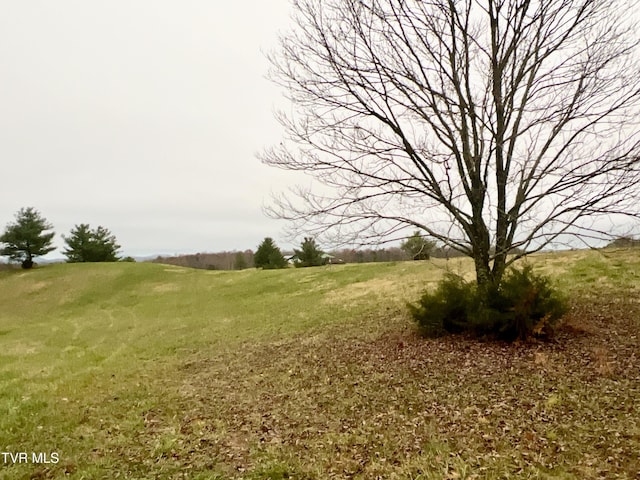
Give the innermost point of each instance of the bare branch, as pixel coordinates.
(488, 124)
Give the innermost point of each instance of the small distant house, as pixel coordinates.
(327, 259)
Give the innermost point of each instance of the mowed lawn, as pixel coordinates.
(149, 371)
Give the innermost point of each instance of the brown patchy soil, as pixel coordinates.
(340, 405)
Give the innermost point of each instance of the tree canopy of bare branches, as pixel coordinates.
(492, 125)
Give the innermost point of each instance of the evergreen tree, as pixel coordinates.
(417, 246)
(78, 243)
(309, 254)
(269, 256)
(26, 238)
(86, 245)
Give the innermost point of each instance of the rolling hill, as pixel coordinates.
(139, 370)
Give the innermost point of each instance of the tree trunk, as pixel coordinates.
(474, 122)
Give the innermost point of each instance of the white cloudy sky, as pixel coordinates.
(143, 116)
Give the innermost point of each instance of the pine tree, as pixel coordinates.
(86, 245)
(26, 238)
(269, 256)
(418, 247)
(309, 254)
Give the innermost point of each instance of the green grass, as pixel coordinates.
(150, 371)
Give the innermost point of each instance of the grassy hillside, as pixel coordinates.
(152, 371)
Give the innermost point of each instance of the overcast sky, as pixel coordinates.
(143, 116)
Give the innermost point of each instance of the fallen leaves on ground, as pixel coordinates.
(343, 405)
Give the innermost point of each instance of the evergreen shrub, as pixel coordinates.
(524, 304)
(445, 309)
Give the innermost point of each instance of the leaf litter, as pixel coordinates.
(342, 404)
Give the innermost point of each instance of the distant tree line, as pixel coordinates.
(624, 242)
(269, 256)
(228, 260)
(31, 235)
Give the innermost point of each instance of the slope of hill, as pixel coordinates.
(153, 371)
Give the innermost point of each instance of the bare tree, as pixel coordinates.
(493, 125)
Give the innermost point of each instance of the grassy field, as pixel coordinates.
(148, 371)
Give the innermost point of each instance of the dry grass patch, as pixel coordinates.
(166, 287)
(355, 291)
